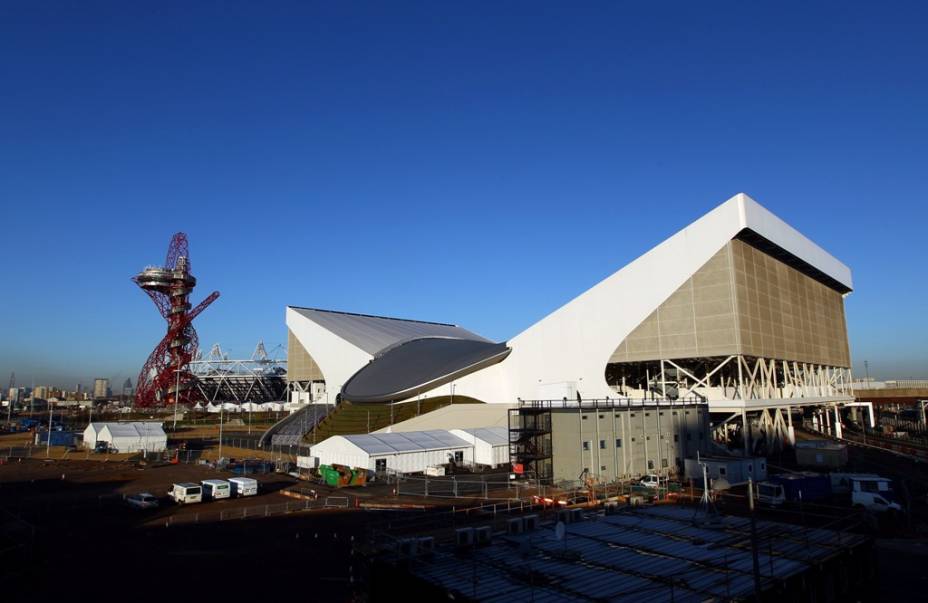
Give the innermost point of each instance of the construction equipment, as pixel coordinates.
(340, 476)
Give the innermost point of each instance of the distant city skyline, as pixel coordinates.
(476, 164)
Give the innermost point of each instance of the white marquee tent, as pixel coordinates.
(408, 452)
(490, 444)
(127, 437)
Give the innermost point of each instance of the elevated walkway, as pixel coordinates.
(291, 429)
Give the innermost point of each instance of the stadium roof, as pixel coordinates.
(420, 365)
(375, 334)
(410, 441)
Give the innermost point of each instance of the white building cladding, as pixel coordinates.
(409, 452)
(127, 437)
(490, 445)
(747, 344)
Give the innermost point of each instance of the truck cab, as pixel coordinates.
(770, 493)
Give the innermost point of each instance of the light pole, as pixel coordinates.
(48, 440)
(220, 431)
(176, 395)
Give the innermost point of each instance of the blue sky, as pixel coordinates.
(479, 163)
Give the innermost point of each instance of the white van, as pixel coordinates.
(244, 486)
(868, 491)
(186, 493)
(215, 489)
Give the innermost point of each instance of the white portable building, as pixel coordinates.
(490, 444)
(130, 436)
(409, 452)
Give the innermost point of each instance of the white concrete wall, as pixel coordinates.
(337, 358)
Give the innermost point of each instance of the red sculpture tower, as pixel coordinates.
(166, 375)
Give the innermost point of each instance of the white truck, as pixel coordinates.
(243, 486)
(186, 493)
(215, 489)
(866, 490)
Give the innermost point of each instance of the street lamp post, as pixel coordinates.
(48, 440)
(220, 431)
(176, 395)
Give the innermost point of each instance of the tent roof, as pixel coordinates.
(494, 436)
(410, 441)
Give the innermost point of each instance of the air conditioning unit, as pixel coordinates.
(426, 545)
(515, 526)
(483, 535)
(464, 537)
(576, 514)
(530, 522)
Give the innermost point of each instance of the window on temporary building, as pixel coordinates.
(380, 465)
(602, 416)
(618, 442)
(602, 444)
(585, 417)
(723, 471)
(586, 444)
(458, 456)
(602, 468)
(676, 437)
(664, 463)
(650, 464)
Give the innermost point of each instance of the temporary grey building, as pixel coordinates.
(490, 444)
(734, 470)
(409, 452)
(821, 453)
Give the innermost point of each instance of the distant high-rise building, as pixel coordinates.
(41, 392)
(101, 389)
(127, 387)
(14, 394)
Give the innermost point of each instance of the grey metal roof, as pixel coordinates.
(644, 554)
(410, 441)
(420, 365)
(494, 436)
(374, 334)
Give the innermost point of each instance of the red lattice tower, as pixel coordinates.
(166, 373)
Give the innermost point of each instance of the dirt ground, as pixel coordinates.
(83, 534)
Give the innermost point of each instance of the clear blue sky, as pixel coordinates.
(479, 163)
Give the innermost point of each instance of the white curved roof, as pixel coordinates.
(374, 334)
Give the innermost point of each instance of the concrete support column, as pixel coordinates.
(790, 432)
(827, 421)
(838, 432)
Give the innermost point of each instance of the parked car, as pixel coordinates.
(142, 500)
(650, 481)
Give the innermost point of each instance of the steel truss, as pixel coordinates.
(261, 378)
(760, 391)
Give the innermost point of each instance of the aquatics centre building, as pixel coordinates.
(738, 310)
